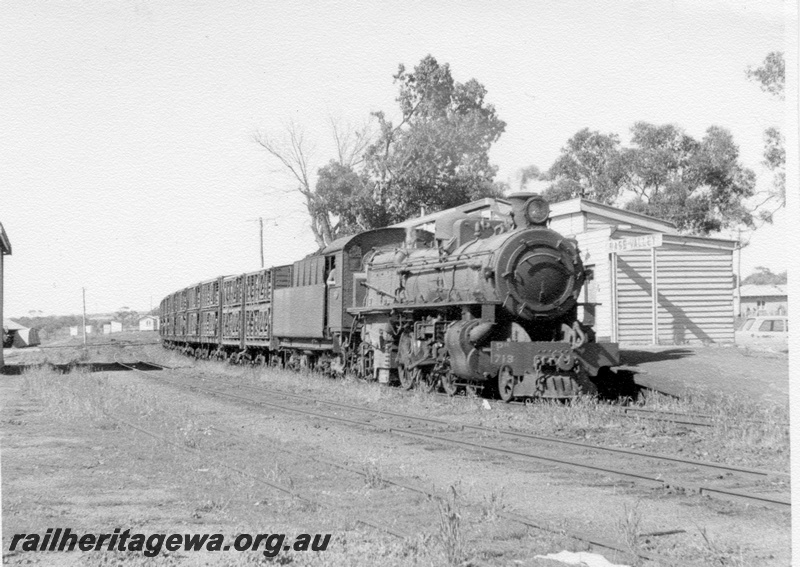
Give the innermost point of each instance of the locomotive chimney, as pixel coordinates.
(529, 209)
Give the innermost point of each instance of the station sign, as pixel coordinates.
(636, 243)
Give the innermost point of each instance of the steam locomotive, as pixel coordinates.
(487, 303)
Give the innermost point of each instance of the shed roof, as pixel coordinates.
(5, 244)
(753, 290)
(580, 205)
(12, 325)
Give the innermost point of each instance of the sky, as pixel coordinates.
(128, 164)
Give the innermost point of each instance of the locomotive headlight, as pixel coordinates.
(537, 210)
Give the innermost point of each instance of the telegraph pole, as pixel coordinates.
(84, 315)
(261, 235)
(260, 221)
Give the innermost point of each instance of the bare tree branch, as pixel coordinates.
(351, 141)
(295, 155)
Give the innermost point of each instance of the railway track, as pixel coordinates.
(677, 418)
(683, 418)
(649, 470)
(633, 412)
(649, 414)
(583, 536)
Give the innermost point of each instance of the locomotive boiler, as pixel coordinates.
(493, 303)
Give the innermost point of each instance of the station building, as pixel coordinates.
(649, 284)
(5, 250)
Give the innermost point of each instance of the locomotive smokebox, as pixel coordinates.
(539, 274)
(529, 210)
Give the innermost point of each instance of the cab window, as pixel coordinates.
(748, 324)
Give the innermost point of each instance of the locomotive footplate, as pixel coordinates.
(552, 369)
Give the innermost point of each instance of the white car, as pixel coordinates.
(764, 330)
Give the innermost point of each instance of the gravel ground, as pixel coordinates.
(66, 465)
(754, 374)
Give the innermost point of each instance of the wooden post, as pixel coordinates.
(654, 289)
(738, 275)
(84, 315)
(614, 300)
(261, 234)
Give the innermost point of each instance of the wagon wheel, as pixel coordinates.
(505, 384)
(407, 376)
(449, 384)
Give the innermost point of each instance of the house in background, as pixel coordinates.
(148, 323)
(762, 300)
(73, 331)
(112, 327)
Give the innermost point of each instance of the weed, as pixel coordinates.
(450, 535)
(373, 473)
(494, 505)
(280, 475)
(213, 506)
(720, 555)
(630, 528)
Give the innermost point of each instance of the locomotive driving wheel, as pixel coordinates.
(505, 384)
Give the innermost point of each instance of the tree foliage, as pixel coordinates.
(763, 276)
(435, 157)
(438, 155)
(771, 76)
(697, 184)
(590, 166)
(126, 316)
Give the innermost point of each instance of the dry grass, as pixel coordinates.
(741, 433)
(450, 533)
(629, 527)
(91, 398)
